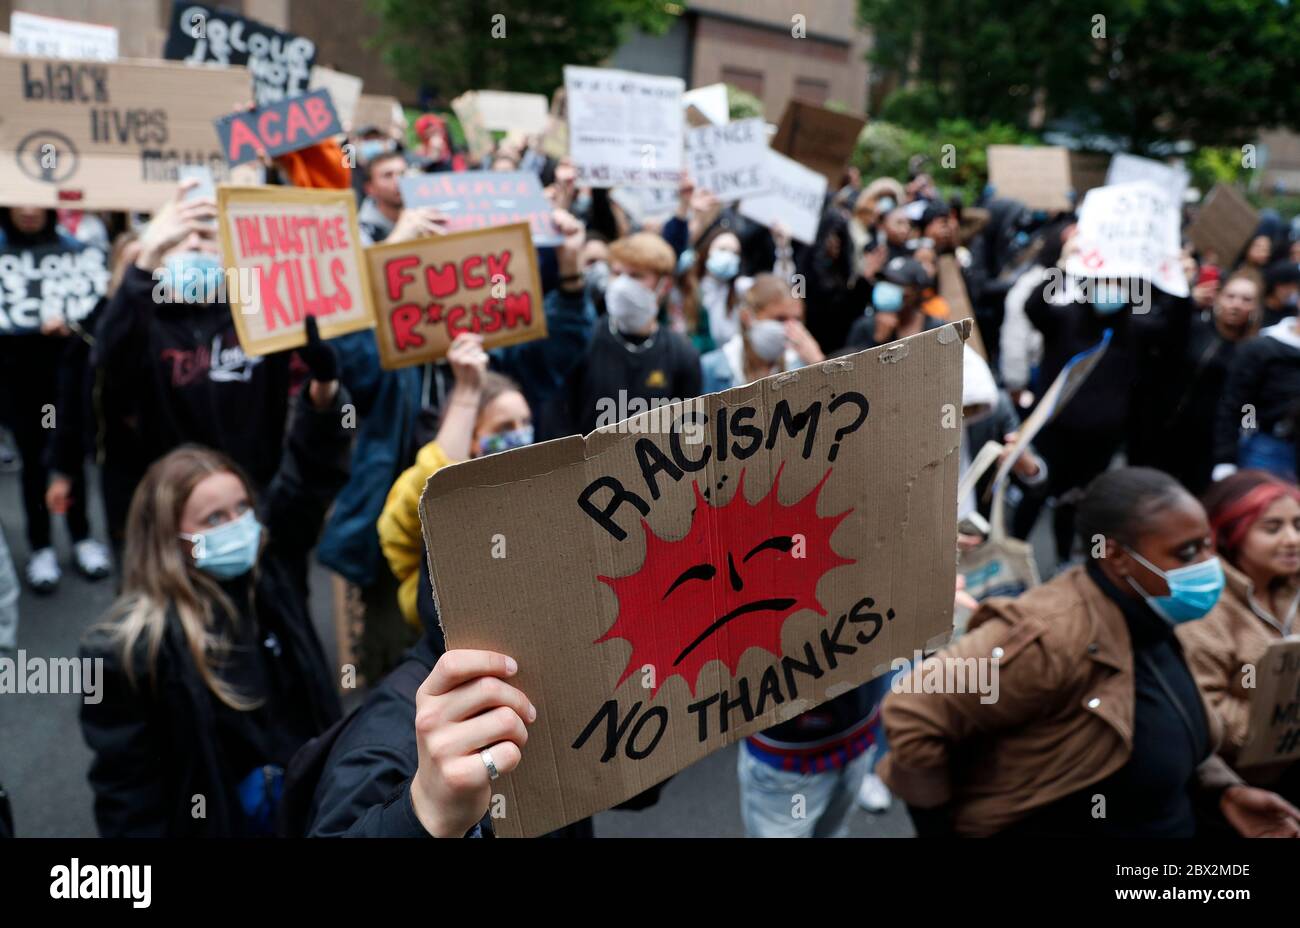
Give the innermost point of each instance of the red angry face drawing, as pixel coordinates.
(726, 587)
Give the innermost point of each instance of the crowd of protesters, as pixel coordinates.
(222, 474)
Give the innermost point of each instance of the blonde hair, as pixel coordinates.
(644, 251)
(158, 574)
(766, 290)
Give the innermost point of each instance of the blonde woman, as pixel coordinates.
(213, 675)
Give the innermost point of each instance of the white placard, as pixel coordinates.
(730, 161)
(711, 102)
(625, 129)
(49, 37)
(1130, 231)
(795, 197)
(1128, 169)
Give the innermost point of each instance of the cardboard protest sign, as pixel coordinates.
(795, 196)
(107, 135)
(477, 137)
(280, 63)
(1062, 390)
(278, 128)
(952, 287)
(377, 111)
(428, 291)
(1130, 231)
(345, 91)
(818, 138)
(729, 160)
(1171, 179)
(1087, 170)
(704, 570)
(483, 199)
(1036, 175)
(512, 112)
(710, 102)
(1224, 225)
(48, 37)
(292, 253)
(555, 140)
(48, 283)
(1273, 733)
(625, 129)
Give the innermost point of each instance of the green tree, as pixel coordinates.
(451, 46)
(1149, 72)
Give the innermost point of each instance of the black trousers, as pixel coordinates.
(29, 367)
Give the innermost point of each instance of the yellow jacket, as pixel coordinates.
(399, 526)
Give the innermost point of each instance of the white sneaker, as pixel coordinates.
(873, 794)
(92, 559)
(43, 574)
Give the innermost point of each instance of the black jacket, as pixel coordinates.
(190, 378)
(666, 369)
(365, 788)
(1102, 404)
(155, 743)
(1264, 374)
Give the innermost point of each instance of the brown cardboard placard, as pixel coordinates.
(477, 137)
(774, 545)
(292, 252)
(555, 140)
(512, 112)
(1038, 176)
(345, 91)
(1274, 727)
(375, 110)
(1223, 225)
(108, 134)
(952, 287)
(429, 290)
(818, 138)
(1087, 170)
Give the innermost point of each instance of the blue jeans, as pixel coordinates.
(1267, 452)
(781, 804)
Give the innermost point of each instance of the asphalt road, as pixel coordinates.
(43, 761)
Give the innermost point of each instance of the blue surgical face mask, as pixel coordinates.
(230, 549)
(192, 276)
(1109, 307)
(887, 297)
(1193, 590)
(505, 441)
(370, 149)
(685, 261)
(723, 265)
(884, 205)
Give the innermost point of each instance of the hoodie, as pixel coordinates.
(1263, 384)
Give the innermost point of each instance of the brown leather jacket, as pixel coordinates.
(1235, 633)
(1063, 718)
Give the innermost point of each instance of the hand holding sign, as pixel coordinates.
(418, 222)
(177, 221)
(465, 715)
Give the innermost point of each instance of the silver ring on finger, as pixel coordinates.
(486, 757)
